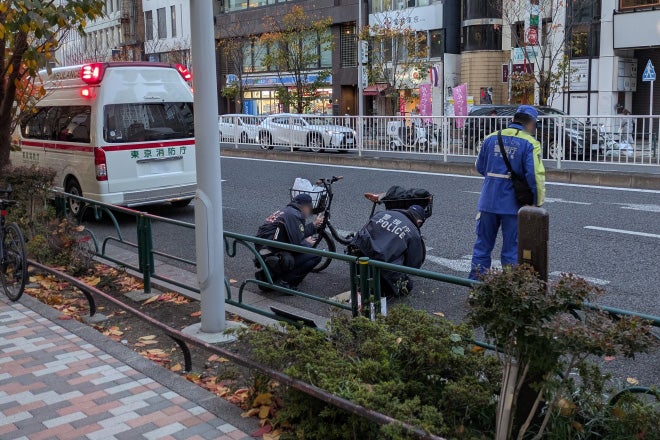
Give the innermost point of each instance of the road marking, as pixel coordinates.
(596, 281)
(555, 200)
(622, 231)
(426, 173)
(639, 207)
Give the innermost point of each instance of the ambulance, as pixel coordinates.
(119, 133)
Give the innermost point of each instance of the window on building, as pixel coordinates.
(248, 64)
(437, 44)
(173, 20)
(257, 3)
(422, 43)
(518, 34)
(325, 54)
(348, 45)
(236, 5)
(585, 41)
(162, 24)
(629, 4)
(149, 25)
(584, 11)
(476, 9)
(259, 54)
(482, 37)
(111, 5)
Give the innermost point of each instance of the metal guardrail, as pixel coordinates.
(183, 340)
(620, 139)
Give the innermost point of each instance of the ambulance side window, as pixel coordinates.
(34, 127)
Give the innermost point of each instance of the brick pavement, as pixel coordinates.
(56, 385)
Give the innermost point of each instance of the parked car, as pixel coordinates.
(316, 133)
(581, 141)
(239, 128)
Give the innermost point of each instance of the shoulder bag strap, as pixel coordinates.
(503, 151)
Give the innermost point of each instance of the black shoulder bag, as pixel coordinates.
(524, 194)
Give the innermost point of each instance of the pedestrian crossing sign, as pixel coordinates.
(649, 72)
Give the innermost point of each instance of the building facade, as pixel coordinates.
(167, 31)
(610, 44)
(242, 20)
(118, 35)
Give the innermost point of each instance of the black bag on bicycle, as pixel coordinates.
(524, 194)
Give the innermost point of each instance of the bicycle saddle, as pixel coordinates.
(373, 197)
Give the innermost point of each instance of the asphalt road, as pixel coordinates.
(609, 236)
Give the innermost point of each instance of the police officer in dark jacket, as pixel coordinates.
(393, 236)
(289, 225)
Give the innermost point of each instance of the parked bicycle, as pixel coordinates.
(13, 257)
(328, 234)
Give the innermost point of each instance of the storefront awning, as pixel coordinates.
(374, 90)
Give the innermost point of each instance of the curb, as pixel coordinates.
(210, 402)
(617, 179)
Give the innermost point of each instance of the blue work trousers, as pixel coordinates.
(488, 224)
(303, 265)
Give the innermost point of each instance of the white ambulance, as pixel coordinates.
(119, 133)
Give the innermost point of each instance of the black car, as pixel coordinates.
(580, 140)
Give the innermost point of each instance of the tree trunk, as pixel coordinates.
(9, 96)
(5, 144)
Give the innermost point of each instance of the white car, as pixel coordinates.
(238, 128)
(316, 133)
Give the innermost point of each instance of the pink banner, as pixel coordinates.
(402, 105)
(459, 94)
(425, 106)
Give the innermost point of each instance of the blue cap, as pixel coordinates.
(418, 212)
(529, 111)
(302, 199)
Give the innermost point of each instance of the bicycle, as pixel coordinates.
(13, 256)
(327, 233)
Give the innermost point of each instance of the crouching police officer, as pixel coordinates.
(393, 236)
(289, 225)
(498, 206)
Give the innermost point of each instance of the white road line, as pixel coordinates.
(596, 281)
(622, 231)
(426, 173)
(639, 207)
(570, 202)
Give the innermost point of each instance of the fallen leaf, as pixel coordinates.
(196, 314)
(275, 435)
(152, 299)
(477, 349)
(251, 413)
(399, 340)
(632, 381)
(176, 368)
(79, 228)
(264, 411)
(262, 431)
(263, 399)
(92, 281)
(440, 314)
(213, 358)
(577, 426)
(64, 317)
(232, 281)
(147, 338)
(609, 358)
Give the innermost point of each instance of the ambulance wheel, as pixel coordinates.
(74, 206)
(324, 243)
(181, 203)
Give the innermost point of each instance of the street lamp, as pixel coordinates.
(209, 242)
(362, 55)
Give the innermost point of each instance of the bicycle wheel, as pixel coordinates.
(13, 273)
(324, 242)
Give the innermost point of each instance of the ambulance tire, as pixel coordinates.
(76, 208)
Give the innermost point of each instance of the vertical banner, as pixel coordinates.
(402, 105)
(425, 102)
(532, 24)
(459, 93)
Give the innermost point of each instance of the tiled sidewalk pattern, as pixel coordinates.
(54, 385)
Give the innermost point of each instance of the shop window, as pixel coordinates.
(436, 38)
(325, 51)
(348, 45)
(482, 37)
(236, 5)
(248, 62)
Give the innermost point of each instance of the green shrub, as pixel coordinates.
(409, 365)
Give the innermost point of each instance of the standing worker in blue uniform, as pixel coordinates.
(498, 206)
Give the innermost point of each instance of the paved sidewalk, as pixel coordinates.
(55, 384)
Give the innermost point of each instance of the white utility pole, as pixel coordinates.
(361, 55)
(208, 198)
